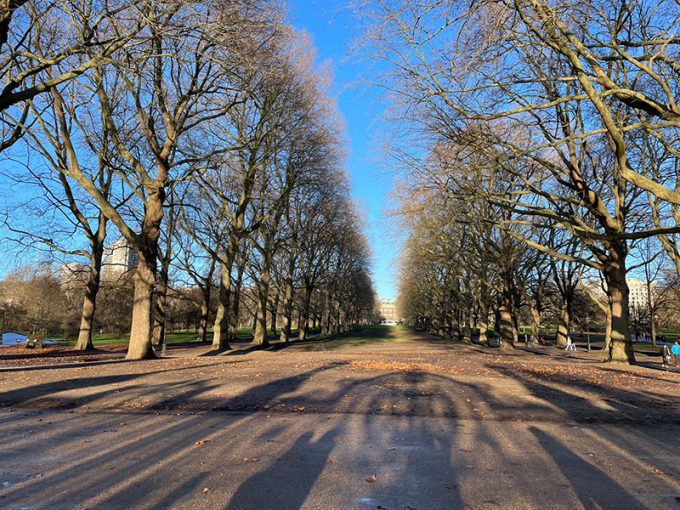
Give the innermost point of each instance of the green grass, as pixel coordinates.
(177, 337)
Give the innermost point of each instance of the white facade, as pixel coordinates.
(119, 258)
(388, 310)
(637, 293)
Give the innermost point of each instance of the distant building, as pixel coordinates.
(73, 274)
(637, 293)
(388, 310)
(119, 258)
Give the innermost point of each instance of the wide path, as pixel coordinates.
(388, 420)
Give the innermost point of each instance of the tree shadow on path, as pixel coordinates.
(274, 487)
(593, 487)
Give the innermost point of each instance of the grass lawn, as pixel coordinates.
(176, 337)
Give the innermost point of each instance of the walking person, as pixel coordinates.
(675, 351)
(665, 356)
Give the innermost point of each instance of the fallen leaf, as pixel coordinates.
(372, 479)
(206, 490)
(247, 460)
(201, 442)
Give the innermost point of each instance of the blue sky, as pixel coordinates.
(334, 31)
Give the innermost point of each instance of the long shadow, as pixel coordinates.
(274, 487)
(55, 366)
(593, 487)
(628, 406)
(632, 408)
(99, 472)
(410, 395)
(367, 336)
(429, 471)
(96, 479)
(425, 472)
(46, 392)
(48, 354)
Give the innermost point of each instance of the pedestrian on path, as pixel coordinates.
(570, 345)
(665, 356)
(675, 351)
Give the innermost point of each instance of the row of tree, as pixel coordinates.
(204, 134)
(540, 140)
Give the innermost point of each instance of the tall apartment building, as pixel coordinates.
(119, 258)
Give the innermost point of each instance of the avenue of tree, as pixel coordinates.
(202, 134)
(539, 142)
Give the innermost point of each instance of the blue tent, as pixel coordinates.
(12, 338)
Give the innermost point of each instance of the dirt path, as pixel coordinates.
(440, 424)
(387, 371)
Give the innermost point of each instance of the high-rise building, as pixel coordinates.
(119, 258)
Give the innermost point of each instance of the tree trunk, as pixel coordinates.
(326, 315)
(497, 318)
(535, 322)
(287, 308)
(483, 324)
(140, 333)
(507, 322)
(260, 335)
(650, 310)
(455, 325)
(620, 348)
(608, 330)
(221, 327)
(160, 303)
(274, 313)
(467, 329)
(205, 286)
(303, 326)
(203, 320)
(564, 324)
(84, 342)
(236, 298)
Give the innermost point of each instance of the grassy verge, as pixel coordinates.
(176, 337)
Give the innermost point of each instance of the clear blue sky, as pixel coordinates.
(334, 31)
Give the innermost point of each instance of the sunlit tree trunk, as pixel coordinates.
(222, 319)
(84, 342)
(620, 349)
